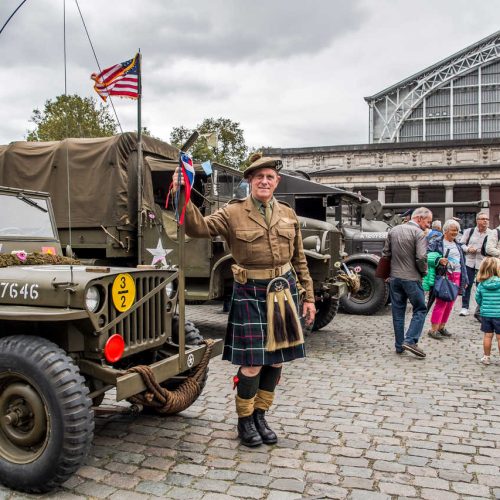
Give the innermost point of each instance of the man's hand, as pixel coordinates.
(309, 312)
(471, 250)
(175, 179)
(443, 261)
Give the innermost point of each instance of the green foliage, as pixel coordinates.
(231, 149)
(71, 116)
(146, 131)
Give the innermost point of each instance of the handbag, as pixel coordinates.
(444, 289)
(383, 268)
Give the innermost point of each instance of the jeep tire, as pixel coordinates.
(46, 420)
(372, 295)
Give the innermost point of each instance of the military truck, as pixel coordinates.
(105, 226)
(344, 210)
(69, 333)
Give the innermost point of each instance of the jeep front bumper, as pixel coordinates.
(130, 384)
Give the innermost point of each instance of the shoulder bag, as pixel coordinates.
(383, 268)
(444, 289)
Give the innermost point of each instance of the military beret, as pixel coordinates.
(259, 161)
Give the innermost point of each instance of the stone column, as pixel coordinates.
(381, 194)
(414, 194)
(448, 211)
(485, 196)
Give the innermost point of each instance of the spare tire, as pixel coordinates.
(326, 310)
(372, 295)
(193, 335)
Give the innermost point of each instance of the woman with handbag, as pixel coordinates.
(451, 277)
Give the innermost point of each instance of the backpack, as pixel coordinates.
(485, 242)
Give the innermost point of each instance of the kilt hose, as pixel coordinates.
(246, 332)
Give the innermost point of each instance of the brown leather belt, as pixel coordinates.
(241, 274)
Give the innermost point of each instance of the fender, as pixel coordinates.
(216, 286)
(363, 257)
(318, 256)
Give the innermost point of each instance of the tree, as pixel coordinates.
(231, 149)
(71, 116)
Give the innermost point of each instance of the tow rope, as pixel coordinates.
(351, 280)
(169, 402)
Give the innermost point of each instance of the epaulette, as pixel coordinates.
(284, 203)
(235, 200)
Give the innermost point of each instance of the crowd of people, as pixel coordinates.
(432, 267)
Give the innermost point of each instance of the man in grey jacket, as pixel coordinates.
(406, 246)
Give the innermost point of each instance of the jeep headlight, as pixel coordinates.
(171, 288)
(312, 243)
(92, 298)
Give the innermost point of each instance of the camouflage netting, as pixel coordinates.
(7, 259)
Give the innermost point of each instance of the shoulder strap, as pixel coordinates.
(469, 236)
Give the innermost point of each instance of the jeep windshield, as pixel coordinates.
(25, 216)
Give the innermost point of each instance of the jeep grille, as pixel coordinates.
(147, 325)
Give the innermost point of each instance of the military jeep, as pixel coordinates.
(71, 332)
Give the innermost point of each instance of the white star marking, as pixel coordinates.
(159, 253)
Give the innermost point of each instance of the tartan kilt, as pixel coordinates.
(246, 332)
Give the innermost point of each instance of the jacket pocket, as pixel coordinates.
(246, 244)
(286, 239)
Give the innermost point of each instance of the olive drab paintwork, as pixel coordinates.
(56, 322)
(253, 244)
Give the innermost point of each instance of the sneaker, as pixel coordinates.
(414, 349)
(444, 332)
(435, 334)
(485, 360)
(402, 351)
(463, 312)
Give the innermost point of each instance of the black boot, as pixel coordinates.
(247, 432)
(267, 434)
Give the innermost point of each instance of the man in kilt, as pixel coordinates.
(263, 329)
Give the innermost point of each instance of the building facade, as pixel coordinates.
(434, 137)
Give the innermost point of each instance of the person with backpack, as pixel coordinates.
(493, 243)
(472, 242)
(488, 299)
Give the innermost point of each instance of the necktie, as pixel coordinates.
(268, 212)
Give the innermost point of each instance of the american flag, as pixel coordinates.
(121, 79)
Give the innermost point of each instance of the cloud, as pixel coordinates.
(292, 73)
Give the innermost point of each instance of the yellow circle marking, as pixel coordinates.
(123, 292)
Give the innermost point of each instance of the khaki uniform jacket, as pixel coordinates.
(253, 244)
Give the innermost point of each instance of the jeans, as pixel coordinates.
(402, 291)
(471, 274)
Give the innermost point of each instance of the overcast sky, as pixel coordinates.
(292, 73)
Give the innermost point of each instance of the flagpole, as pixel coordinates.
(181, 237)
(139, 160)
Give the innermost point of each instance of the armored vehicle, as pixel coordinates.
(108, 227)
(69, 333)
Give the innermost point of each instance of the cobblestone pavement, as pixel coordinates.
(355, 421)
